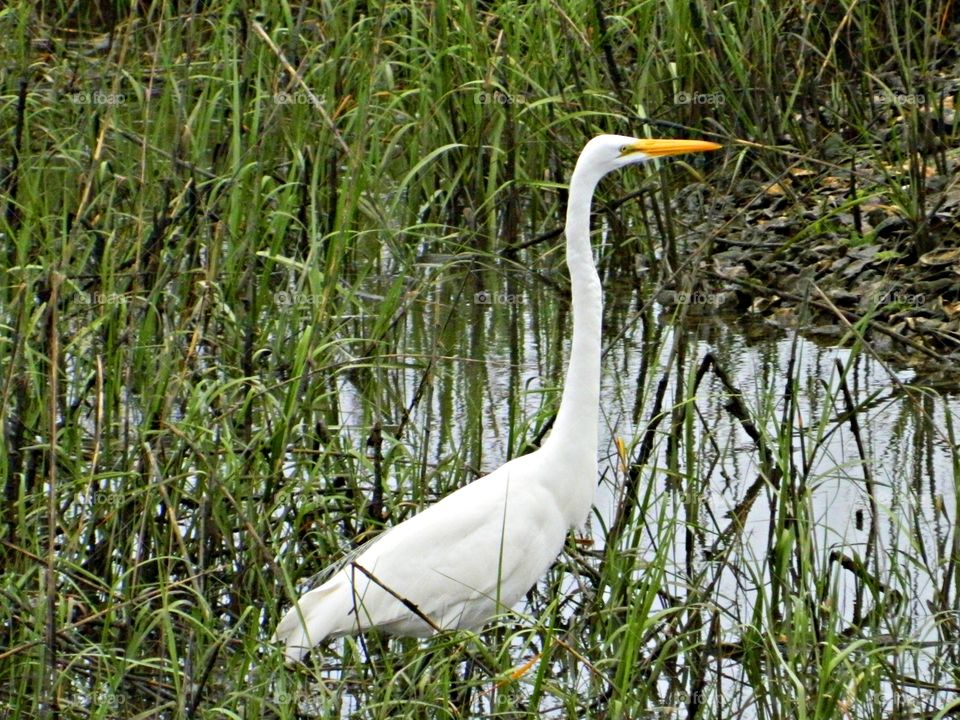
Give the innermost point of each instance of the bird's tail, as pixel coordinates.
(319, 614)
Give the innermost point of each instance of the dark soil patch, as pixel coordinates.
(836, 254)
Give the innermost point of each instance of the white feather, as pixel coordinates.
(476, 552)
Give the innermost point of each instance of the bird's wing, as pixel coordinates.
(486, 543)
(457, 563)
(318, 579)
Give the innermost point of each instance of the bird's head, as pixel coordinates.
(605, 153)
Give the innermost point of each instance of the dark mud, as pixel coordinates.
(835, 253)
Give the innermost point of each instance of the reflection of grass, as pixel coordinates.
(244, 319)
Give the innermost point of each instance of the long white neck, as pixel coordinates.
(574, 435)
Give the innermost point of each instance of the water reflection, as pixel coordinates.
(867, 457)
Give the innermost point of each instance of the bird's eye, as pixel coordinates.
(624, 149)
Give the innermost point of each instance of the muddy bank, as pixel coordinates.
(834, 254)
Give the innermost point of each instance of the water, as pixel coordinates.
(490, 345)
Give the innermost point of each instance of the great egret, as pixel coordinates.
(477, 551)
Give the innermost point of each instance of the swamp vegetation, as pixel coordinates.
(275, 276)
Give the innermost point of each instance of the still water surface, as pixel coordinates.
(483, 358)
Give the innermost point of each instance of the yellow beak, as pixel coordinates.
(663, 148)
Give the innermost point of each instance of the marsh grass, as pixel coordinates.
(275, 278)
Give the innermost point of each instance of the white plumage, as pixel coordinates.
(476, 552)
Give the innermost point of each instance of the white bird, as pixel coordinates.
(476, 552)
